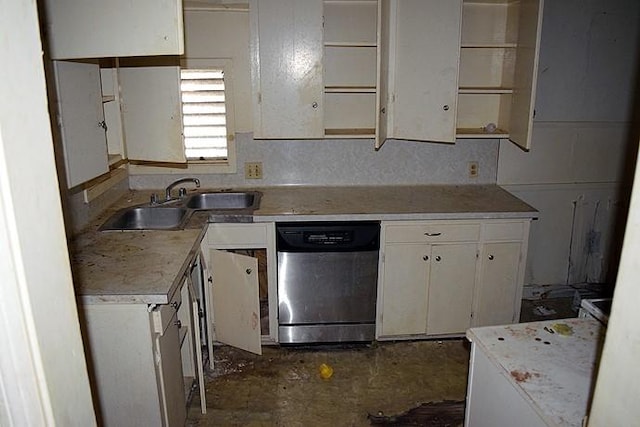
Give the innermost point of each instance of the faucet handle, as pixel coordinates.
(154, 199)
(182, 192)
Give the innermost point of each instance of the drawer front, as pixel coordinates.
(164, 314)
(237, 234)
(432, 232)
(503, 231)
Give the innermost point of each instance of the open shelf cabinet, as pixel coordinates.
(498, 66)
(350, 68)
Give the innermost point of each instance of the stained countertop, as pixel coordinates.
(551, 364)
(146, 267)
(390, 203)
(131, 267)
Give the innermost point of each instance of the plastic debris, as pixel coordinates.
(326, 371)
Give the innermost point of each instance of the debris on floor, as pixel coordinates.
(448, 413)
(541, 310)
(283, 387)
(547, 309)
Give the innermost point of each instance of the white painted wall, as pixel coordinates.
(615, 401)
(43, 374)
(582, 139)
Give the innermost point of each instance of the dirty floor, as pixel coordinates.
(283, 387)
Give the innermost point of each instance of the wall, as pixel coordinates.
(617, 387)
(43, 373)
(349, 162)
(583, 140)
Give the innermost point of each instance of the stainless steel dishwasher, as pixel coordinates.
(327, 281)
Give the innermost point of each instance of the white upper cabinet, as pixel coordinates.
(114, 28)
(152, 113)
(498, 69)
(81, 121)
(424, 70)
(287, 71)
(419, 68)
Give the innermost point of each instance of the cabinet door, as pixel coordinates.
(404, 297)
(383, 72)
(81, 121)
(170, 375)
(235, 300)
(287, 68)
(451, 286)
(423, 54)
(114, 28)
(497, 290)
(526, 72)
(152, 113)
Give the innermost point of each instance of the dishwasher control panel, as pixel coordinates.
(328, 236)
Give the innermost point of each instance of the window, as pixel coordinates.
(204, 114)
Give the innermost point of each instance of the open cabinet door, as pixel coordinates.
(234, 295)
(152, 113)
(526, 73)
(81, 120)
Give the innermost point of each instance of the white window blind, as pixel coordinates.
(204, 114)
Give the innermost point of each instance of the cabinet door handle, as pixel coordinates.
(445, 107)
(103, 125)
(314, 105)
(175, 304)
(248, 271)
(426, 257)
(178, 323)
(438, 258)
(432, 234)
(490, 257)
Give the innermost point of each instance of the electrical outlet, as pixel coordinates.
(473, 169)
(253, 170)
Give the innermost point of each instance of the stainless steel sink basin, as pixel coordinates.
(223, 200)
(147, 218)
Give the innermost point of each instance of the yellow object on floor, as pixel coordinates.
(326, 371)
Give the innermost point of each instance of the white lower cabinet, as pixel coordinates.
(451, 284)
(496, 294)
(140, 357)
(442, 277)
(405, 291)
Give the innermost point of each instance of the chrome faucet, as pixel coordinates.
(167, 191)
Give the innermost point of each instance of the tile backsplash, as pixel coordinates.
(349, 162)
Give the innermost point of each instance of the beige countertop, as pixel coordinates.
(146, 267)
(390, 203)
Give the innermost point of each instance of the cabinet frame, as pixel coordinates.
(221, 236)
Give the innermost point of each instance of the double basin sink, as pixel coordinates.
(174, 214)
